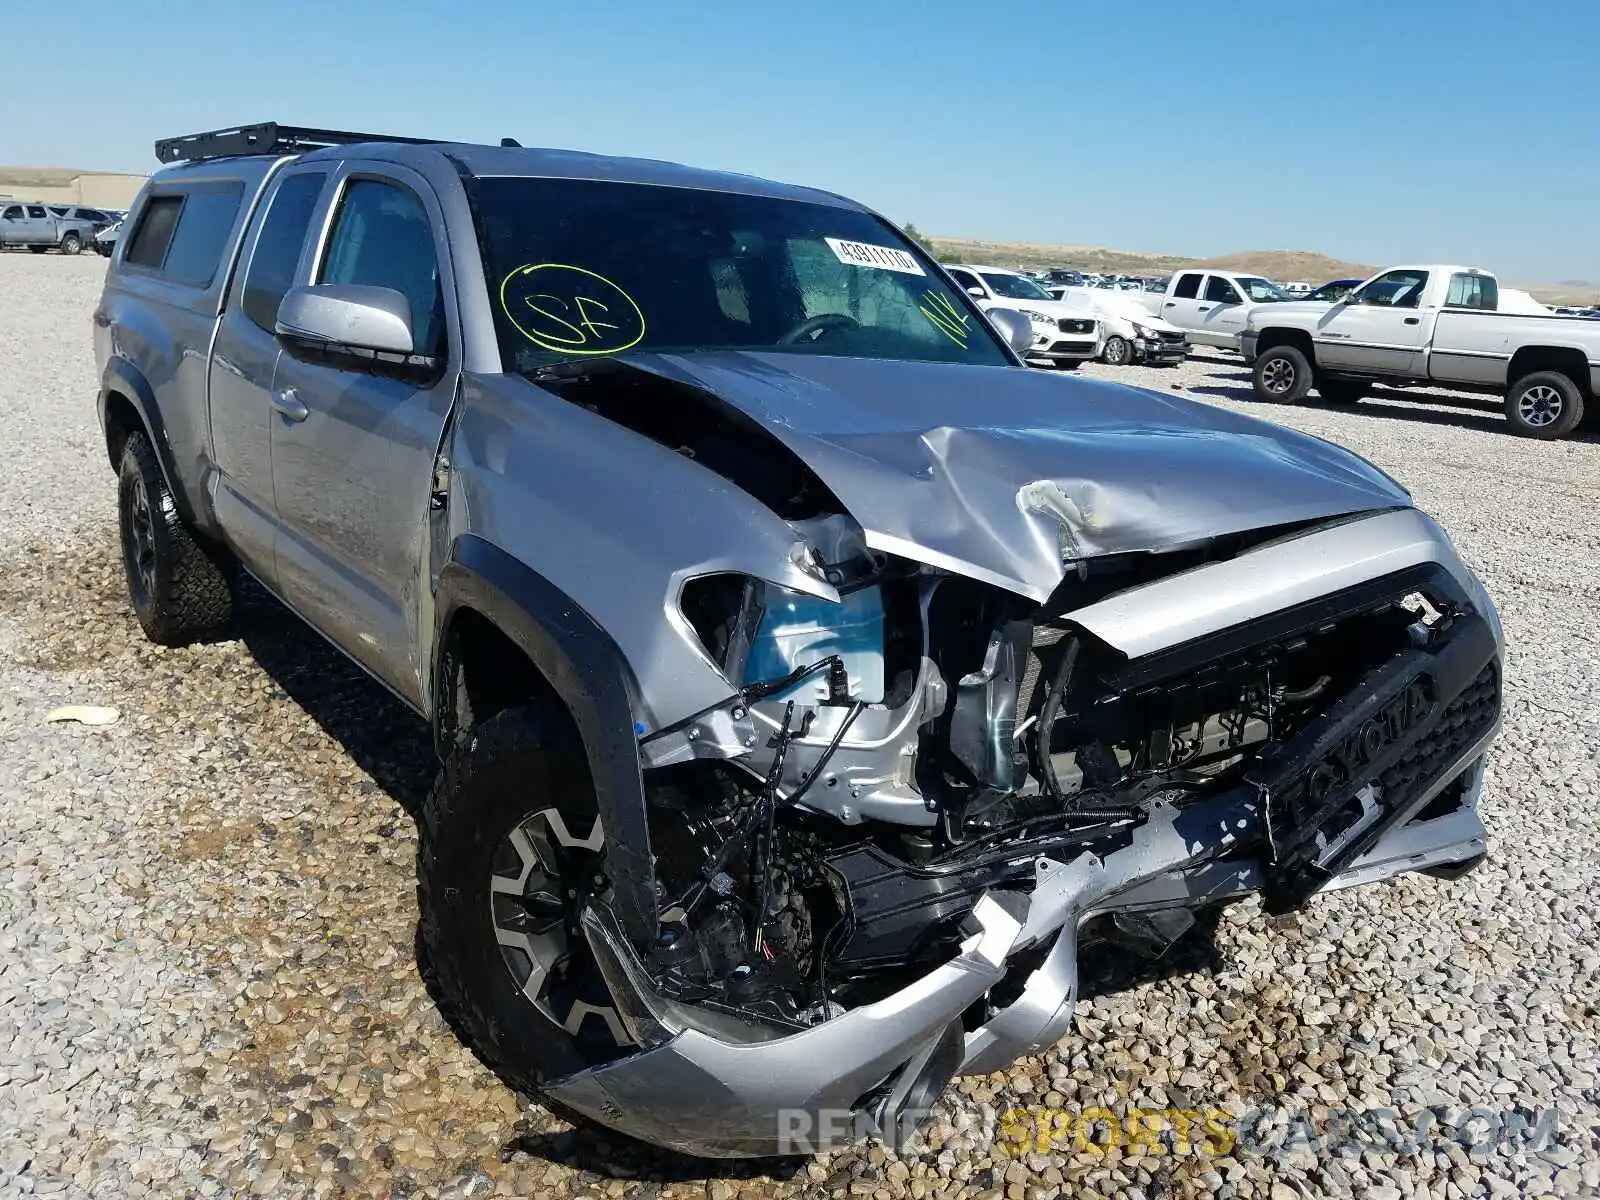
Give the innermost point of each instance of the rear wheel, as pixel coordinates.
(1343, 391)
(512, 849)
(71, 244)
(1545, 405)
(180, 588)
(1117, 351)
(1282, 375)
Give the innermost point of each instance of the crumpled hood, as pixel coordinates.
(1123, 305)
(1002, 473)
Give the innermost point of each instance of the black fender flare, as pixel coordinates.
(1274, 336)
(589, 674)
(126, 380)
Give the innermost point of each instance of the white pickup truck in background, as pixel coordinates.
(1212, 306)
(1438, 324)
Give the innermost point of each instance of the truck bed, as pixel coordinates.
(1471, 346)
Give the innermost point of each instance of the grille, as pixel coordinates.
(1175, 339)
(1075, 325)
(1465, 719)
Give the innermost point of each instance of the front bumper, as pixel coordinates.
(1073, 349)
(1052, 344)
(705, 1085)
(707, 1094)
(1160, 351)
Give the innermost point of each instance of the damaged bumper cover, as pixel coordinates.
(885, 1063)
(1386, 781)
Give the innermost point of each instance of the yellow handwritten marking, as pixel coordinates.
(586, 320)
(578, 337)
(566, 318)
(945, 317)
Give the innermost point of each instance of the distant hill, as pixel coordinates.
(35, 177)
(1030, 255)
(1287, 265)
(1284, 266)
(1281, 265)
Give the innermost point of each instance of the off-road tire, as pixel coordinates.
(517, 758)
(1282, 376)
(184, 589)
(72, 244)
(1545, 405)
(1117, 352)
(1343, 391)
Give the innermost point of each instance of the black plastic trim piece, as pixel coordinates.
(137, 391)
(1453, 871)
(587, 671)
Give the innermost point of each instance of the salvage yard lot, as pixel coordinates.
(207, 976)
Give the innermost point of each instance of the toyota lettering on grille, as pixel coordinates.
(1353, 757)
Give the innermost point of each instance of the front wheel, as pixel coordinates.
(1282, 376)
(511, 851)
(1545, 405)
(1117, 352)
(71, 244)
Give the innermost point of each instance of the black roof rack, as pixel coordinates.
(268, 137)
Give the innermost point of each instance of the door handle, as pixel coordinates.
(1203, 308)
(1413, 320)
(289, 405)
(1172, 304)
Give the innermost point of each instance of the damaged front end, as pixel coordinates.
(943, 748)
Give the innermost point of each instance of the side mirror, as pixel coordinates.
(1014, 327)
(353, 319)
(978, 292)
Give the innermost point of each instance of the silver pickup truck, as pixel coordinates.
(40, 227)
(811, 679)
(1437, 324)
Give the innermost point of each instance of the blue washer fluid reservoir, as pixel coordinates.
(797, 630)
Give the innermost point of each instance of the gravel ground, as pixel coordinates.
(207, 978)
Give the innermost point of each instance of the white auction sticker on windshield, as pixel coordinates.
(865, 254)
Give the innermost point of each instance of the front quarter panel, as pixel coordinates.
(617, 523)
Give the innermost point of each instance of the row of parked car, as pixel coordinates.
(67, 228)
(1409, 326)
(1076, 323)
(1079, 316)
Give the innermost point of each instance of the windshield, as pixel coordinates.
(1013, 287)
(1335, 291)
(581, 268)
(1262, 290)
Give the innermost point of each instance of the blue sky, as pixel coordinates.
(1462, 130)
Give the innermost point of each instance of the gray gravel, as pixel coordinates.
(207, 983)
